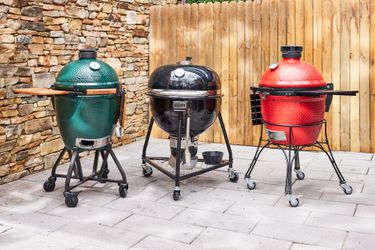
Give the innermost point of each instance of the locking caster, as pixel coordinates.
(71, 199)
(250, 184)
(233, 175)
(147, 170)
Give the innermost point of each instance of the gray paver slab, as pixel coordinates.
(300, 233)
(342, 222)
(154, 243)
(216, 220)
(222, 239)
(162, 228)
(359, 241)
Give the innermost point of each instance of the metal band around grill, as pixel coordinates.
(179, 93)
(84, 143)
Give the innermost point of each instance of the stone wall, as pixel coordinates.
(37, 38)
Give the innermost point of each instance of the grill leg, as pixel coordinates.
(78, 169)
(104, 171)
(118, 165)
(297, 165)
(293, 200)
(251, 184)
(50, 183)
(147, 170)
(346, 188)
(233, 175)
(177, 190)
(95, 166)
(71, 198)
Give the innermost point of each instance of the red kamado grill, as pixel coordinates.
(290, 102)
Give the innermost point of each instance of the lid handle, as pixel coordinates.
(291, 51)
(89, 53)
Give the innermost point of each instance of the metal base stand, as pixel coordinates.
(293, 159)
(149, 162)
(75, 172)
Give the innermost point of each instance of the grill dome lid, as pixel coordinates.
(86, 73)
(183, 78)
(291, 72)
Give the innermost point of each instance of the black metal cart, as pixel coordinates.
(151, 161)
(75, 172)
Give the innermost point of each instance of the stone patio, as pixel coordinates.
(213, 213)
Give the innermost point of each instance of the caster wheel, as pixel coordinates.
(251, 184)
(294, 202)
(123, 190)
(233, 176)
(347, 189)
(147, 171)
(49, 185)
(176, 195)
(71, 199)
(300, 175)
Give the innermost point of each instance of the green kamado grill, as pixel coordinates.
(89, 102)
(86, 121)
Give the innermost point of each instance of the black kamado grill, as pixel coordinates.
(89, 102)
(185, 100)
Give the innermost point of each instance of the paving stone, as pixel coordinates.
(256, 211)
(354, 198)
(365, 211)
(322, 206)
(298, 246)
(222, 239)
(33, 222)
(359, 241)
(17, 238)
(98, 235)
(199, 202)
(349, 155)
(314, 188)
(371, 171)
(90, 214)
(342, 222)
(144, 207)
(244, 195)
(161, 228)
(216, 220)
(3, 229)
(369, 188)
(154, 243)
(300, 233)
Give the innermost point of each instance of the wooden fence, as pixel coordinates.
(240, 39)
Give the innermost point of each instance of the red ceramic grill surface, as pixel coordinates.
(292, 73)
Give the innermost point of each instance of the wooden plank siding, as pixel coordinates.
(240, 39)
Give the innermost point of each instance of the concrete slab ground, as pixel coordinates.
(213, 213)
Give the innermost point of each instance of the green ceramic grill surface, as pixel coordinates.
(84, 116)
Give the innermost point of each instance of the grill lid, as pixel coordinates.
(86, 73)
(184, 79)
(291, 72)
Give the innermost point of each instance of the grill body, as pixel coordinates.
(303, 112)
(198, 86)
(83, 119)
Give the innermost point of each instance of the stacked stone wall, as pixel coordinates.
(37, 38)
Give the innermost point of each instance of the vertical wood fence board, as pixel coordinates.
(240, 40)
(372, 74)
(364, 74)
(336, 68)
